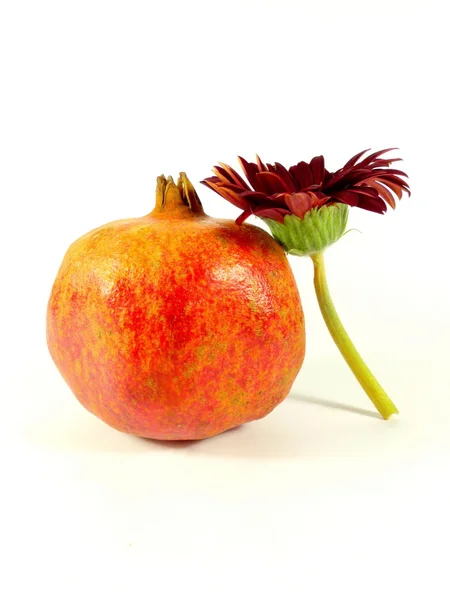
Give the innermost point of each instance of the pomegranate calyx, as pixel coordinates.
(176, 199)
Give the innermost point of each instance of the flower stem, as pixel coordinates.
(359, 368)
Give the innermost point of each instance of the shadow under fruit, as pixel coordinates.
(176, 325)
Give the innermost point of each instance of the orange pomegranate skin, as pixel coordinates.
(176, 325)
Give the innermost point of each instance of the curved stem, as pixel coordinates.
(359, 368)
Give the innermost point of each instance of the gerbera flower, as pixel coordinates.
(272, 191)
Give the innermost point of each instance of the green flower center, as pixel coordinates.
(319, 228)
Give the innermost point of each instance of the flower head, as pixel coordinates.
(273, 192)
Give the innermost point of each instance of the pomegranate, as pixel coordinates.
(176, 325)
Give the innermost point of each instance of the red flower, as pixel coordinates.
(273, 191)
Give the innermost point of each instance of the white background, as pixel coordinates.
(317, 500)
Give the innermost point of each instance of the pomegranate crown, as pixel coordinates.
(176, 199)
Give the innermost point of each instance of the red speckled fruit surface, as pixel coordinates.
(176, 325)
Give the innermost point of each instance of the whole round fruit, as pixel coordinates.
(176, 325)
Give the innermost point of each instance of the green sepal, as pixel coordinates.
(319, 228)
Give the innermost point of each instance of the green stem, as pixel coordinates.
(361, 371)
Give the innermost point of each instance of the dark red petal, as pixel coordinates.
(213, 178)
(347, 197)
(228, 194)
(318, 169)
(250, 170)
(390, 160)
(235, 177)
(280, 199)
(353, 173)
(286, 177)
(255, 198)
(352, 177)
(327, 177)
(351, 163)
(223, 175)
(271, 183)
(395, 179)
(360, 175)
(209, 183)
(335, 178)
(302, 175)
(365, 190)
(373, 156)
(260, 164)
(373, 204)
(389, 172)
(243, 216)
(299, 203)
(277, 214)
(396, 184)
(383, 163)
(394, 187)
(384, 193)
(233, 187)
